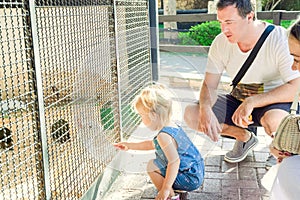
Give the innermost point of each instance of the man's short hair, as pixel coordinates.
(244, 6)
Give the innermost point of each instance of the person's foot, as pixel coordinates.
(241, 150)
(271, 160)
(176, 197)
(183, 195)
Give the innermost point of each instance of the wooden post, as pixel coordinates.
(277, 17)
(170, 9)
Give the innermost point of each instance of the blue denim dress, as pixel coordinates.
(191, 170)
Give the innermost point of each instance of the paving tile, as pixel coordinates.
(227, 146)
(230, 193)
(251, 194)
(253, 164)
(132, 194)
(262, 148)
(249, 158)
(218, 152)
(247, 173)
(213, 160)
(211, 185)
(265, 195)
(260, 173)
(229, 167)
(204, 196)
(149, 192)
(212, 169)
(261, 156)
(219, 175)
(240, 183)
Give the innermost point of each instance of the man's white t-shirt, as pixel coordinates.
(271, 67)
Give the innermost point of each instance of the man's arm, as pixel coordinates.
(283, 93)
(207, 121)
(208, 93)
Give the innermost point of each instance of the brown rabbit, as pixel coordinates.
(6, 141)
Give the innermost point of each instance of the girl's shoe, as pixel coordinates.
(176, 197)
(183, 195)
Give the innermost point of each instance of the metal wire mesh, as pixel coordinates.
(20, 154)
(93, 57)
(78, 69)
(134, 56)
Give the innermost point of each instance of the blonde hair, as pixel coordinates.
(157, 100)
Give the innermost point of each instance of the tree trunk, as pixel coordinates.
(257, 5)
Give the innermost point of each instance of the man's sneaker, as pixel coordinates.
(241, 150)
(271, 160)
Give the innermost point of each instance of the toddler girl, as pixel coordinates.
(178, 164)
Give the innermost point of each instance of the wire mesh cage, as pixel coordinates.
(21, 153)
(134, 60)
(68, 73)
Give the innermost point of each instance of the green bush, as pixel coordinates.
(107, 118)
(185, 39)
(287, 23)
(128, 115)
(201, 34)
(284, 23)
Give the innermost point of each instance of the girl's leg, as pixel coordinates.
(156, 176)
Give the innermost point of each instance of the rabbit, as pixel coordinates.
(60, 131)
(6, 141)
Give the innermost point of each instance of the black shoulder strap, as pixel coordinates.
(252, 56)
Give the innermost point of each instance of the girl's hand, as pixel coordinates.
(121, 145)
(163, 194)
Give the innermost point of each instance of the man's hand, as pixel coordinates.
(242, 116)
(209, 124)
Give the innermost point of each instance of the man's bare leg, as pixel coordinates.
(191, 117)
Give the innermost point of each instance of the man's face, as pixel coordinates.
(232, 24)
